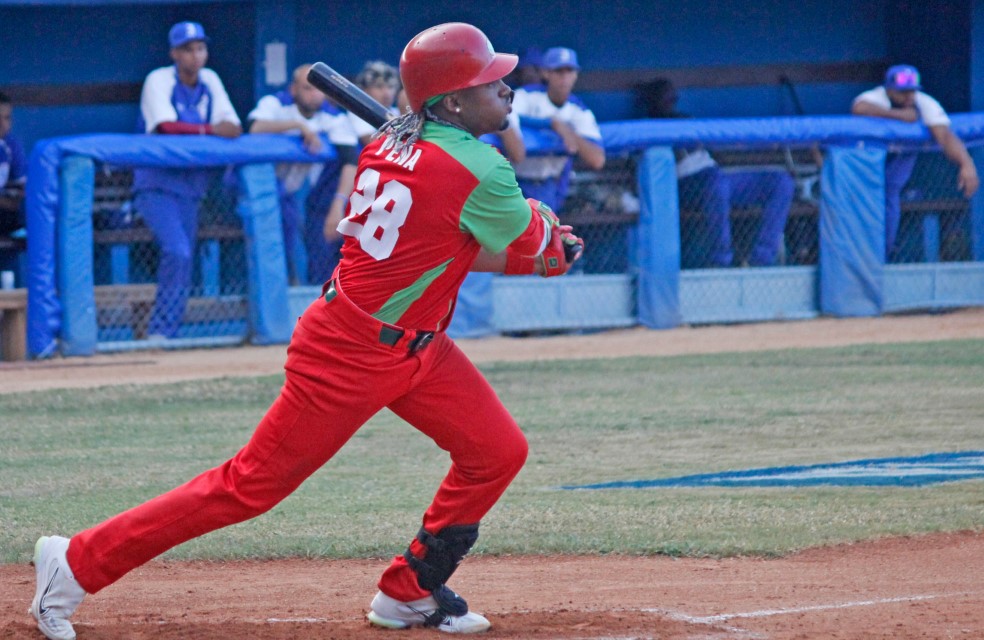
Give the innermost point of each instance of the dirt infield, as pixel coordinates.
(921, 587)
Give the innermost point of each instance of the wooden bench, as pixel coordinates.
(120, 241)
(13, 326)
(131, 305)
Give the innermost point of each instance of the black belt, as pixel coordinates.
(391, 335)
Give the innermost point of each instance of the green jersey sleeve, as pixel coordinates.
(496, 213)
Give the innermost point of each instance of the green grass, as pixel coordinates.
(72, 458)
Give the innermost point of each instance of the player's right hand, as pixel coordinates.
(563, 250)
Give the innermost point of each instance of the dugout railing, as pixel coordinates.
(91, 261)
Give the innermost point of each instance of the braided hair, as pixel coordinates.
(406, 129)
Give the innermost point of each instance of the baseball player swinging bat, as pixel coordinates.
(361, 104)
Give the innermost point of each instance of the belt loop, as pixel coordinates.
(390, 335)
(330, 291)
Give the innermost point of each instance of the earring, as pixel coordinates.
(457, 109)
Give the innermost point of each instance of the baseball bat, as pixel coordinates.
(341, 90)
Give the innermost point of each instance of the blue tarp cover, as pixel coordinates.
(44, 309)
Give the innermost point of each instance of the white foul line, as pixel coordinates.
(776, 612)
(309, 620)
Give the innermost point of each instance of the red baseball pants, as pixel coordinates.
(338, 375)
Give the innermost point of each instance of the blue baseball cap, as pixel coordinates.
(560, 58)
(902, 77)
(186, 32)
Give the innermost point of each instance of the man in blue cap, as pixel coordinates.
(552, 105)
(185, 98)
(901, 98)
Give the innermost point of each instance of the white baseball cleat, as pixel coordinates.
(393, 614)
(57, 594)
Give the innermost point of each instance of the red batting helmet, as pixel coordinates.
(449, 57)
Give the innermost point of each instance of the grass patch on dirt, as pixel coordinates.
(72, 458)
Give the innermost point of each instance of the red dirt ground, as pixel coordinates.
(908, 587)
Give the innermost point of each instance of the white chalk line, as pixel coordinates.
(724, 617)
(308, 620)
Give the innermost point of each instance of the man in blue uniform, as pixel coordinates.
(183, 98)
(552, 105)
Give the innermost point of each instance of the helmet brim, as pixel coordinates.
(500, 67)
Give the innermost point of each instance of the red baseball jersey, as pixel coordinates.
(418, 218)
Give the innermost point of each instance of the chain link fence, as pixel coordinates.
(748, 208)
(738, 207)
(761, 208)
(723, 209)
(126, 258)
(934, 220)
(602, 206)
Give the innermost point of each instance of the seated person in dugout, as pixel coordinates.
(704, 187)
(303, 110)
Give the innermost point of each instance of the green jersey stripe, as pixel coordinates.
(401, 300)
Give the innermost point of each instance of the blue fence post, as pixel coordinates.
(209, 265)
(259, 208)
(657, 241)
(931, 236)
(76, 183)
(119, 264)
(852, 231)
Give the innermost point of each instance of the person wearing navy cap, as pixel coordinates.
(901, 98)
(185, 98)
(553, 105)
(528, 70)
(703, 186)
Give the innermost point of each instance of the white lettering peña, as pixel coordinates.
(409, 164)
(388, 143)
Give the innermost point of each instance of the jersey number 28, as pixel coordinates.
(387, 209)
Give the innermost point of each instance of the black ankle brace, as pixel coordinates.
(445, 550)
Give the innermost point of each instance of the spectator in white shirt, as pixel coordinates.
(303, 110)
(901, 98)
